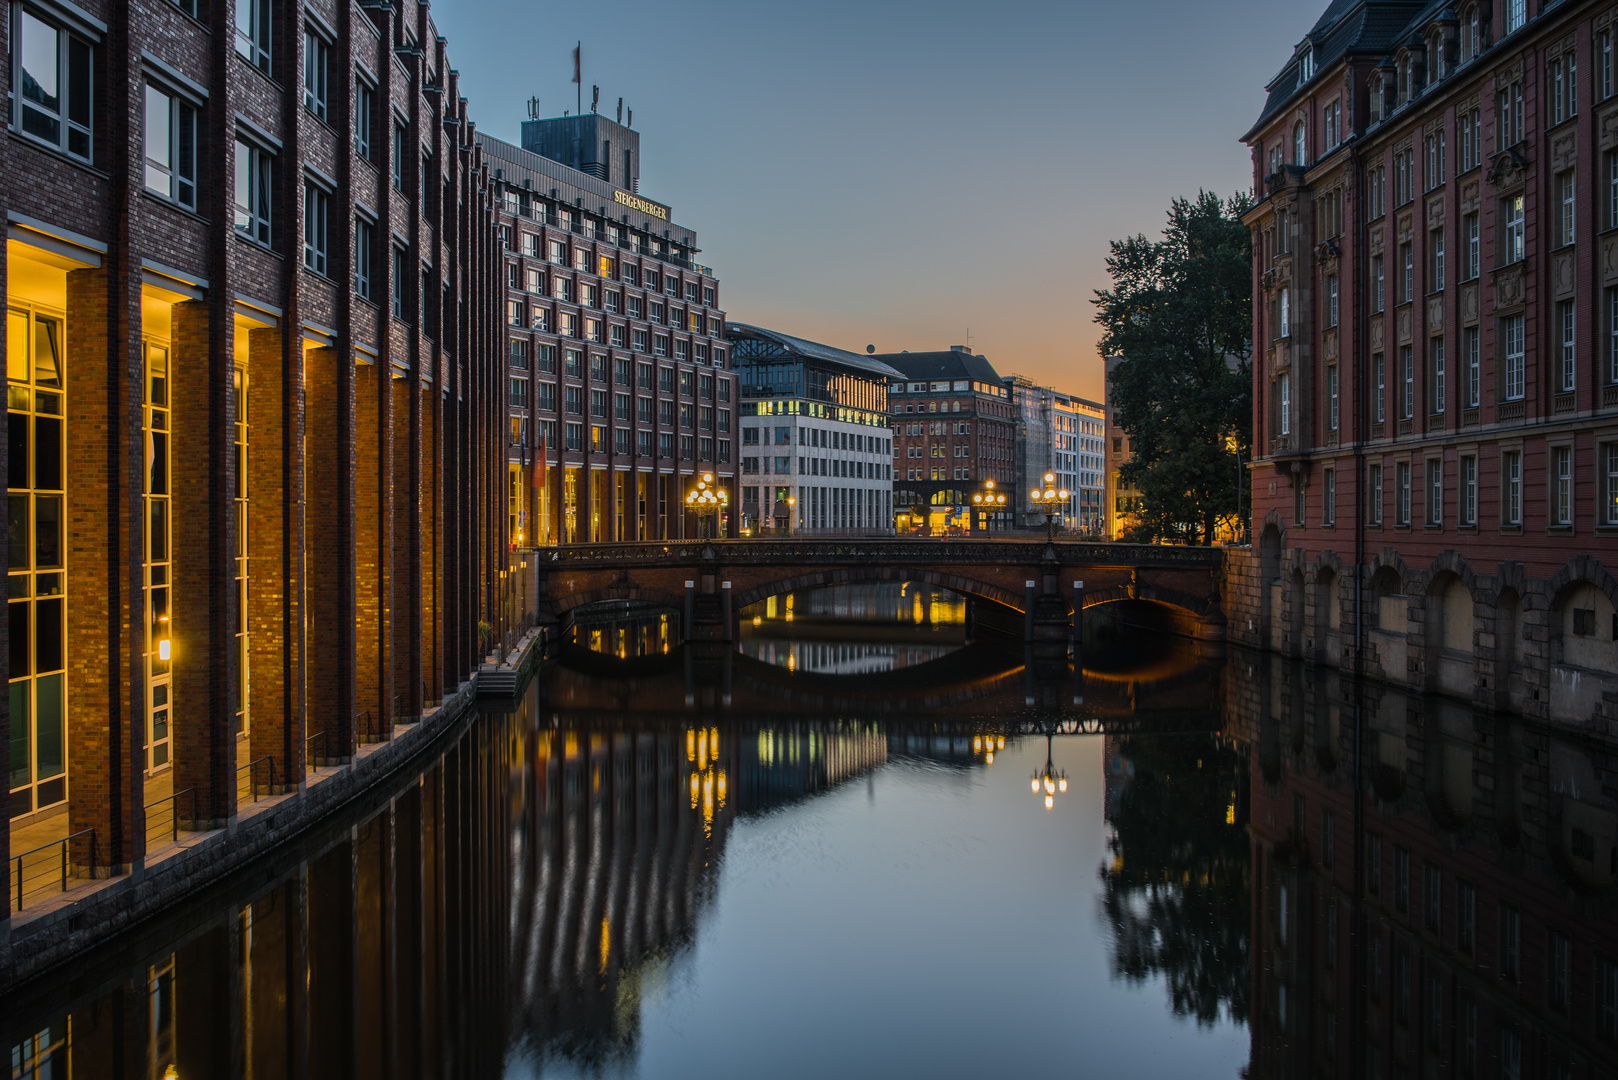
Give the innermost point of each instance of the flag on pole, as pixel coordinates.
(576, 76)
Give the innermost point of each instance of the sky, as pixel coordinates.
(897, 172)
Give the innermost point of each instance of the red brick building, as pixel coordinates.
(617, 391)
(255, 371)
(1436, 335)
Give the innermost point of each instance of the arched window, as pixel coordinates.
(1376, 97)
(1300, 144)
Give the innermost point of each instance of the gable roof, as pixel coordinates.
(947, 364)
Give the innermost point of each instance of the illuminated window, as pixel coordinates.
(159, 526)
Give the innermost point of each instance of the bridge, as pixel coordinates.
(1027, 587)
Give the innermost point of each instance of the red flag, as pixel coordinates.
(576, 77)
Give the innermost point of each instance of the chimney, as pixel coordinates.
(957, 348)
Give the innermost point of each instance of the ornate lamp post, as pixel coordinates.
(706, 501)
(989, 501)
(1051, 780)
(1049, 499)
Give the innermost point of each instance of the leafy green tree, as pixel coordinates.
(1179, 313)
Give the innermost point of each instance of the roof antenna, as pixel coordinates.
(631, 121)
(620, 110)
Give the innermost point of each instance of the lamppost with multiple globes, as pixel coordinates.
(1052, 780)
(1049, 498)
(989, 501)
(706, 501)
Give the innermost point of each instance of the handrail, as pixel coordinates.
(362, 726)
(20, 872)
(174, 812)
(252, 776)
(311, 761)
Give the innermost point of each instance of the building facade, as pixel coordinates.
(1436, 375)
(816, 450)
(1122, 500)
(617, 390)
(251, 348)
(954, 429)
(1060, 434)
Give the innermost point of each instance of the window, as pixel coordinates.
(1561, 965)
(1407, 256)
(1404, 168)
(364, 109)
(1562, 477)
(1435, 260)
(401, 275)
(1516, 12)
(1565, 201)
(254, 26)
(1609, 493)
(1373, 865)
(1333, 116)
(1469, 490)
(1470, 339)
(1474, 250)
(1377, 191)
(253, 191)
(1433, 154)
(1407, 376)
(1439, 387)
(1283, 385)
(1471, 134)
(1379, 369)
(1432, 896)
(315, 231)
(519, 393)
(316, 67)
(1331, 300)
(364, 258)
(1378, 278)
(1435, 491)
(1562, 72)
(1511, 487)
(1511, 329)
(1300, 144)
(53, 83)
(1401, 878)
(1508, 112)
(401, 152)
(1332, 395)
(1286, 312)
(1565, 367)
(171, 147)
(1510, 943)
(1402, 473)
(1329, 497)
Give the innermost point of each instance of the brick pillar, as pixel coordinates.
(274, 619)
(428, 527)
(329, 631)
(370, 553)
(105, 612)
(405, 608)
(204, 600)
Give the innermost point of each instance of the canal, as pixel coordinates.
(871, 840)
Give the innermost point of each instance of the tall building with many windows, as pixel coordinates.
(252, 351)
(1435, 322)
(954, 429)
(815, 444)
(618, 395)
(1059, 434)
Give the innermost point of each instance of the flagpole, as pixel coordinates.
(578, 76)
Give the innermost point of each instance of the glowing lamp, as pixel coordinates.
(163, 649)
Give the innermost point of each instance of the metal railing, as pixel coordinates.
(249, 790)
(365, 727)
(160, 824)
(312, 760)
(49, 867)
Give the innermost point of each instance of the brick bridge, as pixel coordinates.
(1024, 586)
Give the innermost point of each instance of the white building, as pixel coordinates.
(1061, 434)
(816, 453)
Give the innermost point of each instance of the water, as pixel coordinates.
(666, 864)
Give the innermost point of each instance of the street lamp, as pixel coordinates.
(989, 501)
(1051, 780)
(1048, 499)
(706, 501)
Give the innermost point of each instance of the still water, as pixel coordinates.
(901, 852)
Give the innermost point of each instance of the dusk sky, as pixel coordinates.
(894, 173)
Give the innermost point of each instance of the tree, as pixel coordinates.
(1179, 313)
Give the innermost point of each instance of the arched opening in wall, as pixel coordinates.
(1328, 728)
(1328, 614)
(1584, 651)
(628, 630)
(1297, 644)
(1451, 658)
(1269, 564)
(1508, 647)
(1448, 762)
(1507, 770)
(1389, 612)
(1300, 690)
(1388, 771)
(867, 627)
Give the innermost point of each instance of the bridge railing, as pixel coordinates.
(790, 549)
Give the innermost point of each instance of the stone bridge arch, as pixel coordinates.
(859, 575)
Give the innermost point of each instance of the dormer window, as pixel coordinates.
(1471, 34)
(1275, 160)
(1435, 58)
(1404, 81)
(1376, 97)
(1300, 144)
(1516, 14)
(1306, 64)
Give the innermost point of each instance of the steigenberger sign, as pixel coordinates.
(645, 206)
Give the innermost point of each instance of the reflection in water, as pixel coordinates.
(629, 867)
(855, 629)
(900, 603)
(842, 657)
(626, 629)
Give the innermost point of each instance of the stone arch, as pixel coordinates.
(630, 591)
(859, 574)
(1297, 611)
(1449, 628)
(1583, 584)
(1328, 604)
(1272, 537)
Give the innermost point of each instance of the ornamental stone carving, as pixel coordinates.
(1435, 314)
(1469, 196)
(1509, 74)
(1376, 240)
(1405, 227)
(1469, 304)
(1508, 288)
(1435, 212)
(1564, 151)
(1607, 124)
(1403, 325)
(1609, 259)
(1562, 273)
(1329, 346)
(1376, 334)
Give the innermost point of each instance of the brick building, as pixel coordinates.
(254, 459)
(954, 427)
(617, 392)
(1436, 375)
